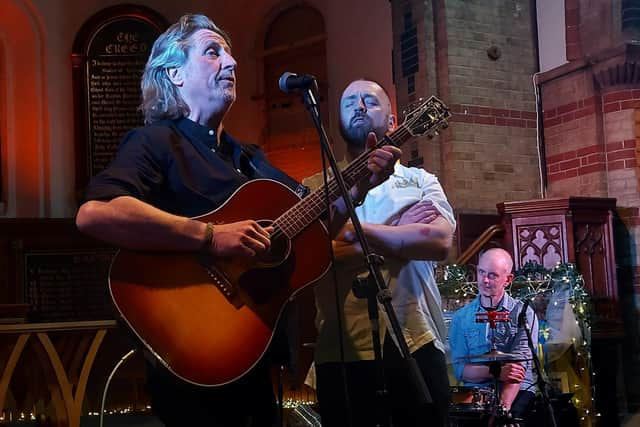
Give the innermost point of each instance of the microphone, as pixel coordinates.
(290, 82)
(522, 317)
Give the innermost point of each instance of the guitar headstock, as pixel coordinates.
(426, 116)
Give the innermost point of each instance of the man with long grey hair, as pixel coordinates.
(184, 164)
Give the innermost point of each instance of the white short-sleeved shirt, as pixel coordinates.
(416, 298)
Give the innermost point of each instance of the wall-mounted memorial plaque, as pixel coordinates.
(68, 285)
(49, 271)
(109, 54)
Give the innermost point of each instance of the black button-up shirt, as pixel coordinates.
(177, 166)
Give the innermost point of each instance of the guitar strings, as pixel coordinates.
(311, 208)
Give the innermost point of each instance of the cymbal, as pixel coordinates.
(494, 356)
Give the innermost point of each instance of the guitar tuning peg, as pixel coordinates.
(444, 126)
(429, 136)
(436, 133)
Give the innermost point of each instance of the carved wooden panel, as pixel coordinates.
(541, 240)
(594, 255)
(590, 253)
(577, 230)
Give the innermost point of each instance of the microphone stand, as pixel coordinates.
(542, 384)
(373, 262)
(364, 288)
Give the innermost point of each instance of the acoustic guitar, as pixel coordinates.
(210, 320)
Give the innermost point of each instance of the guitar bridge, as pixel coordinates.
(225, 286)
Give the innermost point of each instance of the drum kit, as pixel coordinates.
(475, 406)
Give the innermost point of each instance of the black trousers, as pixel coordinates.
(248, 402)
(401, 404)
(521, 404)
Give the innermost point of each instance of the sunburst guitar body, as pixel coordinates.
(210, 320)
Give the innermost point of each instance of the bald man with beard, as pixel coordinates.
(409, 221)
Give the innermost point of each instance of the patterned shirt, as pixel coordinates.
(466, 337)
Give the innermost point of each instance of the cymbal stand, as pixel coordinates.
(493, 317)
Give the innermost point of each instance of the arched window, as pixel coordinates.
(294, 41)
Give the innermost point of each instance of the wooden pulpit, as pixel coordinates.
(578, 230)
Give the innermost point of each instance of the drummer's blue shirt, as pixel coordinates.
(466, 337)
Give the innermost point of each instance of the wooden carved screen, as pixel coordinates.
(577, 230)
(541, 240)
(580, 230)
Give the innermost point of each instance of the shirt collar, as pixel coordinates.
(206, 135)
(508, 303)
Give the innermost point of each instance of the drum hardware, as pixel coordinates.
(473, 406)
(492, 357)
(470, 399)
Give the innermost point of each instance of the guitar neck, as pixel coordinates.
(429, 115)
(312, 207)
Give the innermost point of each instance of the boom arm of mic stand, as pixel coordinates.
(374, 269)
(542, 384)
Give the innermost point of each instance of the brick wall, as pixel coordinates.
(591, 126)
(575, 155)
(591, 140)
(408, 15)
(489, 153)
(479, 57)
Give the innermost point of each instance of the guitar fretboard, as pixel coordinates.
(429, 116)
(312, 207)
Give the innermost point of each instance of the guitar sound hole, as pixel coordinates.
(280, 248)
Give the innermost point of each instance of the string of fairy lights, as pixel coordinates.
(562, 284)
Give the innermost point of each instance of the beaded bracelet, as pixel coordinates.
(207, 242)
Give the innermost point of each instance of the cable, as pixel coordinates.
(541, 149)
(106, 386)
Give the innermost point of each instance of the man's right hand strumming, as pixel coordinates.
(243, 238)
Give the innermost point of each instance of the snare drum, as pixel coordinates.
(470, 406)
